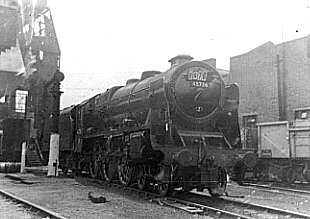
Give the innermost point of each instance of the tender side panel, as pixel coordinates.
(66, 130)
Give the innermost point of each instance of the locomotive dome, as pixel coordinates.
(196, 89)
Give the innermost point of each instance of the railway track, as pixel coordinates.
(30, 207)
(190, 207)
(250, 210)
(277, 189)
(202, 204)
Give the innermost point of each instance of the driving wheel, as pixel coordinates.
(108, 170)
(125, 171)
(163, 188)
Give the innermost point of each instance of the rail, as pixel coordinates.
(31, 205)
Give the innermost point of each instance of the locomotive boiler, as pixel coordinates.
(173, 129)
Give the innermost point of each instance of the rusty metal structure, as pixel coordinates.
(28, 26)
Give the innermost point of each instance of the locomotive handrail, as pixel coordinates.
(227, 142)
(199, 133)
(117, 132)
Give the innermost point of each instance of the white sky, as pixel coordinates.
(104, 43)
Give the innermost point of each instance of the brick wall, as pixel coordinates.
(8, 82)
(273, 80)
(295, 63)
(256, 74)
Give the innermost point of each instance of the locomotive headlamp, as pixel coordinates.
(229, 113)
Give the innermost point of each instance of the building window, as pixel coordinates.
(20, 101)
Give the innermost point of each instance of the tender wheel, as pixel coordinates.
(220, 188)
(108, 170)
(125, 173)
(239, 171)
(163, 189)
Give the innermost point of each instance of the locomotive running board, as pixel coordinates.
(204, 134)
(199, 133)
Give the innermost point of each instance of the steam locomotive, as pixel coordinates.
(173, 129)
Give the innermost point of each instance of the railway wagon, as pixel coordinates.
(284, 149)
(177, 128)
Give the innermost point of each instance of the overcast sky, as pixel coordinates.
(104, 43)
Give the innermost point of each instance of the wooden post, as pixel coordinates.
(23, 158)
(53, 155)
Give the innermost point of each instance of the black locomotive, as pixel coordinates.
(170, 129)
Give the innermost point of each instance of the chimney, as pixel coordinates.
(179, 60)
(211, 61)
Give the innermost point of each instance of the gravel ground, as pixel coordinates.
(69, 198)
(11, 210)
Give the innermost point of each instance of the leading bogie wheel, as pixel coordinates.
(220, 188)
(163, 188)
